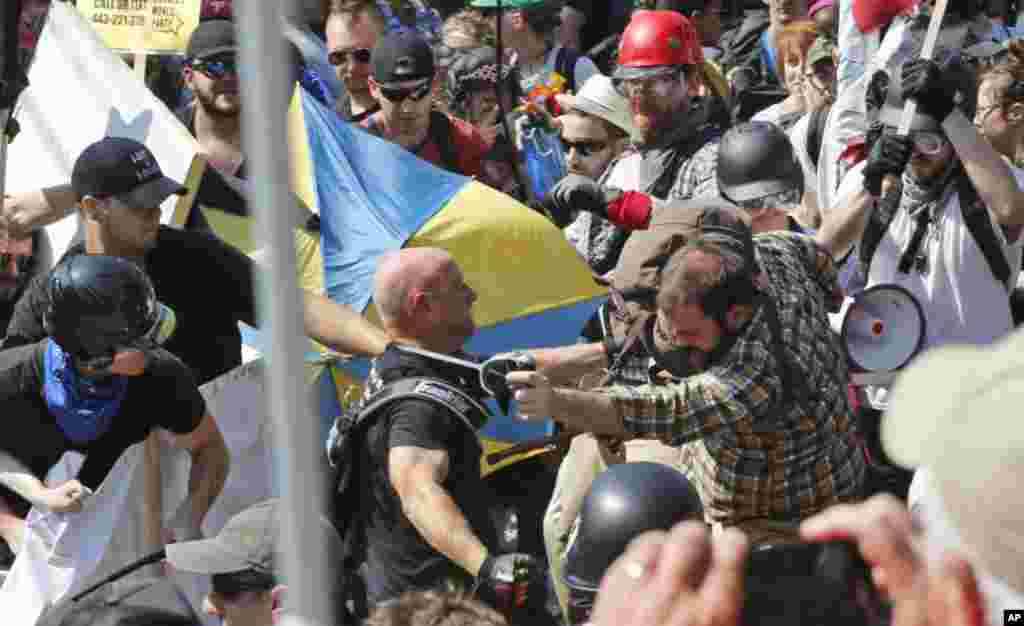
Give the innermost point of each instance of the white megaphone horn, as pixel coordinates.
(882, 328)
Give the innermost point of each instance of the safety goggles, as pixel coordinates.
(343, 57)
(926, 142)
(584, 148)
(217, 69)
(399, 94)
(660, 83)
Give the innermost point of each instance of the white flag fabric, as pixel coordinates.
(80, 91)
(62, 550)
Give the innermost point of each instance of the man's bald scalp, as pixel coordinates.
(399, 272)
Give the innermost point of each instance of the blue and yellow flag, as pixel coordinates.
(373, 196)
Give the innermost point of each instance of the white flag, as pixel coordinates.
(80, 91)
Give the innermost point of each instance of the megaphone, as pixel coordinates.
(882, 328)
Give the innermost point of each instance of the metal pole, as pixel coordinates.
(266, 91)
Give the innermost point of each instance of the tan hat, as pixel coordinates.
(598, 97)
(955, 411)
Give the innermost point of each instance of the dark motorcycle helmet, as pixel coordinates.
(99, 304)
(624, 502)
(756, 159)
(474, 70)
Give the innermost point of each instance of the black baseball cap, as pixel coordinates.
(122, 167)
(401, 57)
(210, 38)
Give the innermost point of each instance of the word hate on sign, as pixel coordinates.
(143, 26)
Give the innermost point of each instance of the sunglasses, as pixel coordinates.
(584, 148)
(412, 93)
(217, 69)
(343, 57)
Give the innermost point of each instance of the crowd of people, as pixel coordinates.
(730, 171)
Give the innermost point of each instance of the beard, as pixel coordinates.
(214, 106)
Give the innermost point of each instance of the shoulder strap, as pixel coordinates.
(877, 225)
(565, 64)
(979, 223)
(467, 409)
(815, 133)
(441, 129)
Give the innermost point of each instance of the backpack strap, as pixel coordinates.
(565, 64)
(441, 130)
(816, 132)
(877, 225)
(979, 223)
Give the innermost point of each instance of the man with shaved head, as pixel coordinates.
(426, 518)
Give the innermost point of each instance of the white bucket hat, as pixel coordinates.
(598, 97)
(955, 411)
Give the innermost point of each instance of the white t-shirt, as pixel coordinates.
(962, 300)
(771, 114)
(584, 69)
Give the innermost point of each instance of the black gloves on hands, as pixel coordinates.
(576, 193)
(888, 157)
(512, 583)
(931, 87)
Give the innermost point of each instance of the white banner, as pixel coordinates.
(81, 91)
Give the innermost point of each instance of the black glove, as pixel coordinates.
(888, 157)
(925, 83)
(576, 193)
(512, 583)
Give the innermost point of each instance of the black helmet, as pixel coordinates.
(625, 501)
(473, 70)
(756, 159)
(98, 304)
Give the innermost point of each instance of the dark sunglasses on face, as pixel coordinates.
(341, 57)
(413, 93)
(217, 69)
(584, 148)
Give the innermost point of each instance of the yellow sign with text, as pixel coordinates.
(149, 26)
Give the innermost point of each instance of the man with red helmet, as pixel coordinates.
(674, 152)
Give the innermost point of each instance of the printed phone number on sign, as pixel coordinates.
(119, 20)
(120, 5)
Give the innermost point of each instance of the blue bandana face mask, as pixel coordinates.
(84, 408)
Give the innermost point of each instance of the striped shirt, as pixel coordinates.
(755, 457)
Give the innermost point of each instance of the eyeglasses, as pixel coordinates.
(217, 69)
(343, 57)
(412, 93)
(584, 148)
(660, 84)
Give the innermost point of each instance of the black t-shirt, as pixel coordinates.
(207, 283)
(165, 396)
(398, 557)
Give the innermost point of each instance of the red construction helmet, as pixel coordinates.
(655, 39)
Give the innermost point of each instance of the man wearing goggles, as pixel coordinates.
(98, 385)
(946, 225)
(403, 77)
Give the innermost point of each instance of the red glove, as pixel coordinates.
(871, 15)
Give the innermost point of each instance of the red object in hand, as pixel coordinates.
(870, 15)
(631, 211)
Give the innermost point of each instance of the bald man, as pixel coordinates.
(428, 526)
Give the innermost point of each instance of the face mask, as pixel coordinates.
(84, 408)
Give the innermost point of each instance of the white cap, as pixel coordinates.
(955, 410)
(599, 98)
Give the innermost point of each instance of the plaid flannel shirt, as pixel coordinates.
(754, 457)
